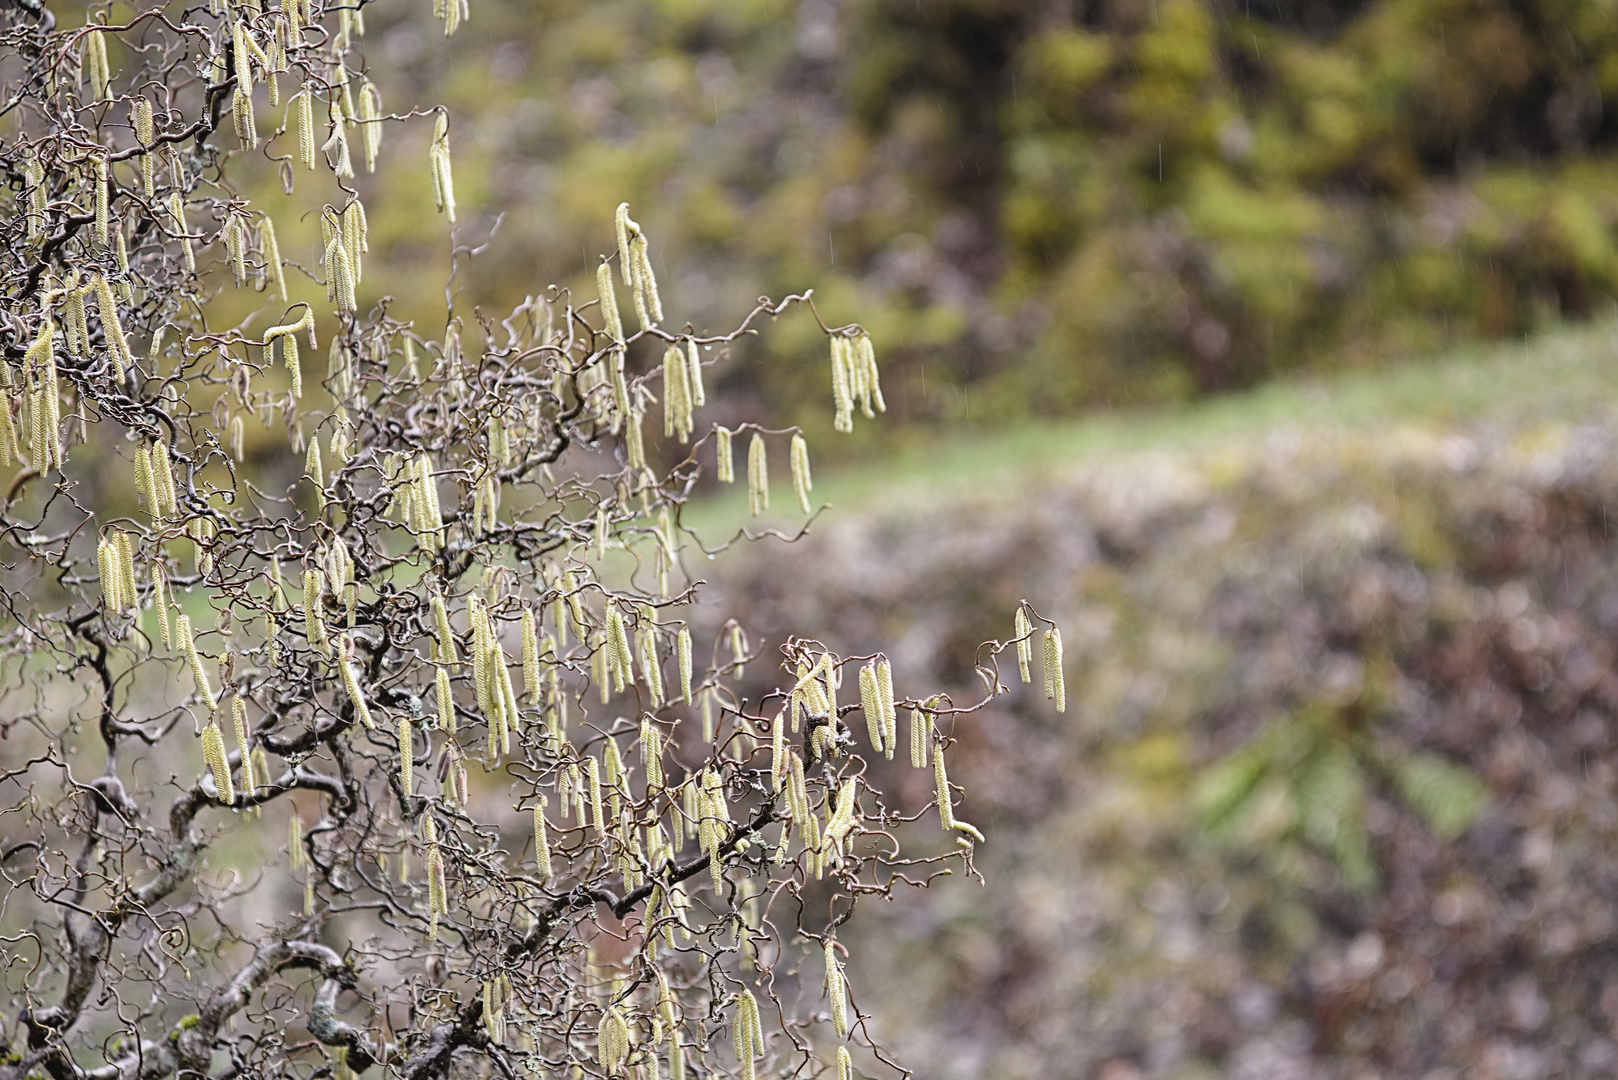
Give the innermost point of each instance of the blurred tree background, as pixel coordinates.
(1038, 206)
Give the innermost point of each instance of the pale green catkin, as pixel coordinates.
(303, 107)
(651, 752)
(802, 483)
(1054, 687)
(94, 64)
(199, 674)
(542, 844)
(314, 619)
(351, 682)
(699, 396)
(609, 307)
(683, 649)
(612, 1041)
(677, 401)
(651, 664)
(592, 779)
(1023, 632)
(890, 713)
(407, 762)
(871, 705)
(530, 657)
(758, 477)
(103, 231)
(238, 713)
(446, 701)
(748, 1033)
(118, 345)
(921, 737)
(438, 159)
(946, 812)
(213, 752)
(725, 458)
(836, 991)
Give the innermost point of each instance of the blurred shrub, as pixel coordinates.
(1050, 204)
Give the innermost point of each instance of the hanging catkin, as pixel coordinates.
(213, 752)
(758, 477)
(1023, 632)
(542, 844)
(1052, 651)
(802, 483)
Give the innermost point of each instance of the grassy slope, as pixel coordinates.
(1558, 377)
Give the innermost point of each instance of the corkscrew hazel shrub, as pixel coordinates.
(448, 499)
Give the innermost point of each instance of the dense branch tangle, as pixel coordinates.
(407, 748)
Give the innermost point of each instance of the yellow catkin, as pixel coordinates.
(10, 448)
(890, 712)
(1024, 634)
(103, 210)
(117, 344)
(351, 681)
(445, 639)
(758, 477)
(835, 991)
(446, 701)
(841, 384)
(314, 619)
(213, 752)
(407, 763)
(542, 844)
(238, 714)
(683, 650)
(651, 665)
(946, 812)
(163, 481)
(609, 304)
(612, 1039)
(693, 374)
(97, 73)
(177, 218)
(273, 270)
(1052, 651)
(725, 458)
(870, 381)
(354, 238)
(438, 160)
(617, 646)
(297, 858)
(921, 737)
(592, 777)
(802, 482)
(677, 404)
(748, 1033)
(160, 598)
(845, 1064)
(634, 440)
(530, 657)
(303, 106)
(111, 580)
(871, 705)
(199, 674)
(651, 752)
(779, 769)
(370, 117)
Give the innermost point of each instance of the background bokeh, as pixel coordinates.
(1038, 206)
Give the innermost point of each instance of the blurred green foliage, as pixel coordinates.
(1035, 205)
